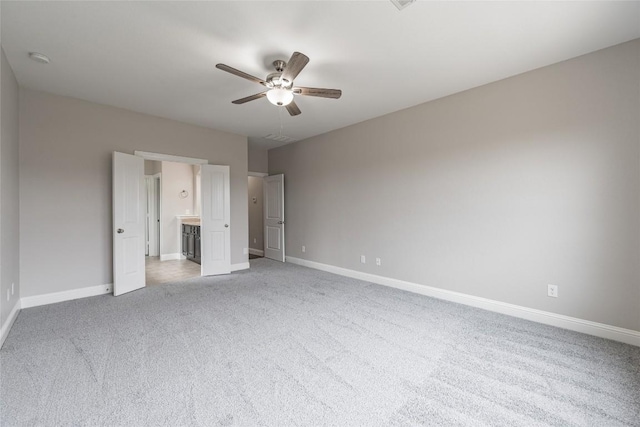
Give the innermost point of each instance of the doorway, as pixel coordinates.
(256, 215)
(152, 230)
(204, 206)
(173, 195)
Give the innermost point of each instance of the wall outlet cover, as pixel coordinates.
(378, 261)
(304, 249)
(245, 251)
(552, 291)
(363, 260)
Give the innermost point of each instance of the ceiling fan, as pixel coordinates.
(280, 84)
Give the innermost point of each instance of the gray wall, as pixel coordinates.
(66, 149)
(258, 160)
(494, 192)
(9, 199)
(151, 167)
(256, 229)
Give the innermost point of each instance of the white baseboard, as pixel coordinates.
(171, 257)
(258, 252)
(4, 332)
(72, 294)
(240, 266)
(572, 323)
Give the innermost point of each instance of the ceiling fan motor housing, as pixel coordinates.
(276, 80)
(279, 64)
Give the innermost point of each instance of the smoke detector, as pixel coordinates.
(401, 4)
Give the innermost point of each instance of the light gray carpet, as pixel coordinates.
(283, 345)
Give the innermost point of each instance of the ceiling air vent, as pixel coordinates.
(279, 138)
(401, 4)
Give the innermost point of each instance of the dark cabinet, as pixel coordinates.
(196, 250)
(191, 242)
(185, 240)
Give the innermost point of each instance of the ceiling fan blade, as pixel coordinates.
(250, 98)
(316, 91)
(297, 62)
(239, 73)
(293, 108)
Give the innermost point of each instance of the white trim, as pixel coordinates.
(69, 295)
(240, 266)
(4, 332)
(170, 158)
(171, 257)
(572, 323)
(258, 174)
(258, 252)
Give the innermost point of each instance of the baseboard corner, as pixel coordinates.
(171, 257)
(6, 327)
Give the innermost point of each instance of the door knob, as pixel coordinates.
(226, 226)
(120, 231)
(280, 222)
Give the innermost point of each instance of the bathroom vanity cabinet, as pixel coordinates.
(191, 242)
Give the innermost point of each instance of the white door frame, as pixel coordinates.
(258, 174)
(170, 158)
(160, 157)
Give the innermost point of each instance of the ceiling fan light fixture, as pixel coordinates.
(279, 96)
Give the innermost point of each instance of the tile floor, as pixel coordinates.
(169, 271)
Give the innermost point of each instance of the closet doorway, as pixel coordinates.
(256, 214)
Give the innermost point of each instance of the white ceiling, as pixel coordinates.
(159, 57)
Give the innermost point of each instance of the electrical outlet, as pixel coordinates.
(552, 291)
(304, 249)
(378, 262)
(363, 260)
(8, 295)
(245, 251)
(12, 288)
(255, 240)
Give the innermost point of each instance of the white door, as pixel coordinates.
(129, 221)
(215, 224)
(274, 217)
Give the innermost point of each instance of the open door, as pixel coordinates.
(274, 217)
(129, 221)
(215, 231)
